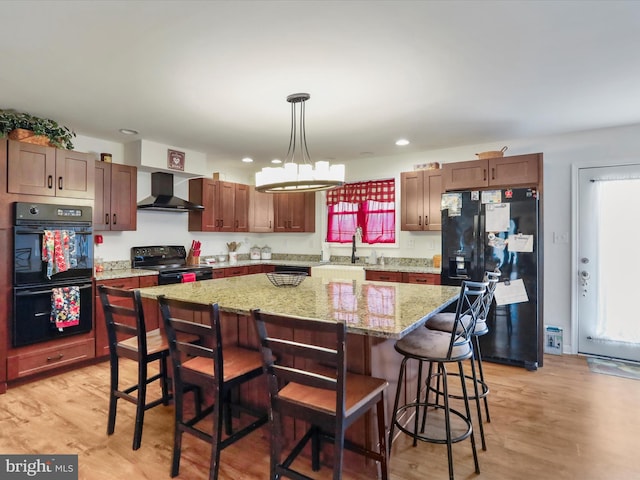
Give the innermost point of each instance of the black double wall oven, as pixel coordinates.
(52, 272)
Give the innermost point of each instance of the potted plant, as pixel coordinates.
(58, 136)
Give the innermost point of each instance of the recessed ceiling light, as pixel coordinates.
(247, 160)
(276, 160)
(402, 142)
(128, 131)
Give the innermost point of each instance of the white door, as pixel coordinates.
(609, 261)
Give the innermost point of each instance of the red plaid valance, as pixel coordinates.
(375, 190)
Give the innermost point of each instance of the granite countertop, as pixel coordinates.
(135, 272)
(123, 273)
(302, 263)
(383, 309)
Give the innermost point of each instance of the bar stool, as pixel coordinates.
(308, 380)
(124, 315)
(439, 349)
(444, 323)
(211, 366)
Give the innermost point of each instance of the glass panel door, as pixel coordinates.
(608, 261)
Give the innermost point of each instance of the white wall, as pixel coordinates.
(605, 146)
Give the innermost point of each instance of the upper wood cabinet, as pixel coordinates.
(260, 211)
(294, 212)
(518, 170)
(51, 172)
(116, 197)
(226, 206)
(420, 192)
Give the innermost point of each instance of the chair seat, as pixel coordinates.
(432, 345)
(156, 342)
(238, 361)
(359, 390)
(444, 323)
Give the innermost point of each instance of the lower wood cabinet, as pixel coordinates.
(425, 278)
(382, 276)
(403, 277)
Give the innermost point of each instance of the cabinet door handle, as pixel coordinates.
(421, 280)
(106, 219)
(493, 173)
(54, 358)
(59, 183)
(115, 219)
(419, 220)
(50, 181)
(269, 223)
(484, 174)
(237, 223)
(426, 219)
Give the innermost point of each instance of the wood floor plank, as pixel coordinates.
(561, 422)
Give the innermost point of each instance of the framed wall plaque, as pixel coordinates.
(175, 160)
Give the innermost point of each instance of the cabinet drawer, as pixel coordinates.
(24, 364)
(424, 278)
(383, 276)
(126, 283)
(236, 271)
(254, 269)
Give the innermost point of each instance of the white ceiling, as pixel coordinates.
(213, 76)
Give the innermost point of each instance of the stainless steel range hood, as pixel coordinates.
(162, 197)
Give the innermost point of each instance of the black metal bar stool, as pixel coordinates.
(444, 322)
(440, 349)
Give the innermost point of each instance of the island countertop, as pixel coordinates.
(382, 309)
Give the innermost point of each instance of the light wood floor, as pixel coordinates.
(561, 422)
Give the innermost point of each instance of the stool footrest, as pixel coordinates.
(471, 396)
(468, 430)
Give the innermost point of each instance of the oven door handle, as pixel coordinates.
(25, 293)
(77, 232)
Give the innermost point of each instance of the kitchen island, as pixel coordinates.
(376, 315)
(379, 309)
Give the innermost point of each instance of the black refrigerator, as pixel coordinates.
(485, 230)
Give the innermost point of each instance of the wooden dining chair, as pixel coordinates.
(124, 317)
(308, 380)
(211, 366)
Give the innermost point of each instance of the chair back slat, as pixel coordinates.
(303, 350)
(311, 379)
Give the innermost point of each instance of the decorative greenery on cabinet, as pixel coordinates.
(59, 136)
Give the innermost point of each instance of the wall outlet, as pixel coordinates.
(560, 237)
(411, 243)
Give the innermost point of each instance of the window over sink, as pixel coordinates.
(369, 206)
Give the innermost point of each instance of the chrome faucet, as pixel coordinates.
(358, 231)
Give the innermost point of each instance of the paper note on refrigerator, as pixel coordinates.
(520, 243)
(497, 217)
(514, 292)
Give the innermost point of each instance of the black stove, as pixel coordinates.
(171, 263)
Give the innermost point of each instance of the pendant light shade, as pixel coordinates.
(297, 174)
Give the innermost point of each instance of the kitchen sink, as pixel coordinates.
(339, 272)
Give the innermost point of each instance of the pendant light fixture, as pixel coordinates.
(297, 174)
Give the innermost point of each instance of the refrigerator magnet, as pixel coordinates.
(492, 196)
